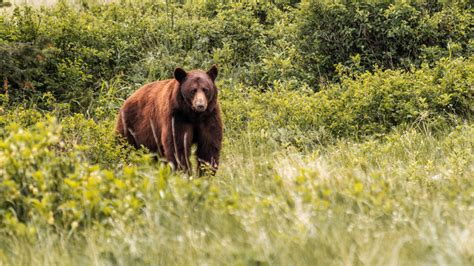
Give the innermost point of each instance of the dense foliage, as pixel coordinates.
(348, 134)
(69, 52)
(387, 34)
(365, 104)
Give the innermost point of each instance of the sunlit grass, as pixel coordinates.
(404, 199)
(353, 167)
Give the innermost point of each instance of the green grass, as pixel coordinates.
(370, 164)
(402, 200)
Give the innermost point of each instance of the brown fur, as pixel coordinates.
(163, 117)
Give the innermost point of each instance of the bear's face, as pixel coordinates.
(197, 87)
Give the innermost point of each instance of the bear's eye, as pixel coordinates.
(205, 90)
(193, 91)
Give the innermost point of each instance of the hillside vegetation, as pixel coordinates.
(348, 134)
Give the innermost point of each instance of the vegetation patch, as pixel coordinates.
(345, 145)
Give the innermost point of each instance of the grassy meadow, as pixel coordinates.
(344, 145)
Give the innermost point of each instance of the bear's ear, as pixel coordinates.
(213, 72)
(179, 74)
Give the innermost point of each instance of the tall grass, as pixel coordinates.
(375, 168)
(404, 199)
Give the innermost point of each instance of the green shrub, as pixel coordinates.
(383, 33)
(52, 179)
(373, 168)
(361, 105)
(70, 51)
(381, 101)
(76, 173)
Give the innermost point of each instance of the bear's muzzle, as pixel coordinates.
(200, 102)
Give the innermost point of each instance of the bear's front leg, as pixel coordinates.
(177, 140)
(209, 143)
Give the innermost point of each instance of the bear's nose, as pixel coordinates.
(200, 102)
(200, 107)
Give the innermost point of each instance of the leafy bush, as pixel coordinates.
(382, 33)
(45, 183)
(70, 51)
(377, 161)
(361, 105)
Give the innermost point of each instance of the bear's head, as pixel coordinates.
(198, 88)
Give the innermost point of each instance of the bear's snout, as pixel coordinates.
(200, 102)
(200, 107)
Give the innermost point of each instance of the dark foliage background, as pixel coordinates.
(70, 51)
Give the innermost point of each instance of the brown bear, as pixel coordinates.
(168, 116)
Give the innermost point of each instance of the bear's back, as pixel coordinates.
(152, 90)
(150, 102)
